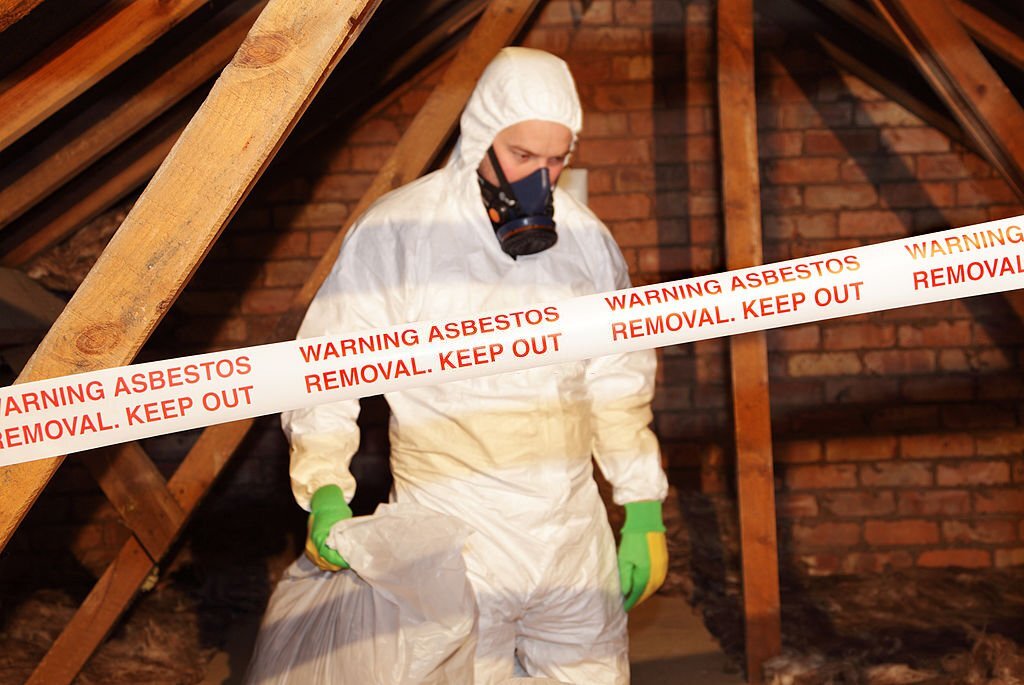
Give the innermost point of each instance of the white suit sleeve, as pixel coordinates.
(621, 388)
(324, 438)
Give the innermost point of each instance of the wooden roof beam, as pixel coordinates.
(138, 492)
(894, 90)
(843, 47)
(133, 164)
(12, 11)
(73, 65)
(863, 19)
(997, 36)
(737, 108)
(97, 130)
(382, 87)
(251, 109)
(958, 71)
(138, 160)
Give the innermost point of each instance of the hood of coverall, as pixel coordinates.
(518, 85)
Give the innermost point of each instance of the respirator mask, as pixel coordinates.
(521, 212)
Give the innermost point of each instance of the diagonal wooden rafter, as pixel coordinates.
(892, 89)
(445, 33)
(997, 36)
(133, 163)
(737, 109)
(91, 134)
(958, 71)
(56, 77)
(136, 161)
(194, 193)
(292, 72)
(418, 147)
(133, 564)
(12, 11)
(139, 494)
(876, 71)
(863, 19)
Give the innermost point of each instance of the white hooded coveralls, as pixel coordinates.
(508, 454)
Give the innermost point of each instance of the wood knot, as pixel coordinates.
(263, 49)
(98, 339)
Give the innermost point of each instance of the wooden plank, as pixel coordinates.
(363, 88)
(90, 135)
(220, 155)
(748, 358)
(120, 583)
(93, 621)
(68, 69)
(997, 36)
(756, 496)
(894, 90)
(867, 52)
(134, 165)
(12, 11)
(139, 494)
(863, 19)
(963, 78)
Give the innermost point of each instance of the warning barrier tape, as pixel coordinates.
(74, 413)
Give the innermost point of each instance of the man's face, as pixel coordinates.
(527, 146)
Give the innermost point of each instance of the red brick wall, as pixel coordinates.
(898, 435)
(899, 440)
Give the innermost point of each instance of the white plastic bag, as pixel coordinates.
(405, 614)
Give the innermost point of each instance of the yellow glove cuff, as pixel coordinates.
(314, 555)
(658, 549)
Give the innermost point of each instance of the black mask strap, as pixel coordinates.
(503, 183)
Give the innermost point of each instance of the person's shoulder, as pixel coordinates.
(580, 220)
(406, 201)
(391, 217)
(592, 241)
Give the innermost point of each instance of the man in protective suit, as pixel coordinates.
(510, 454)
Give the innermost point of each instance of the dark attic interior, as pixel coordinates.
(846, 502)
